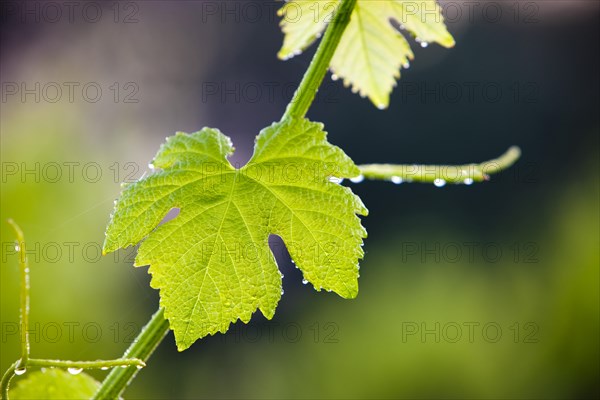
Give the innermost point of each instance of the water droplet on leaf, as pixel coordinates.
(20, 371)
(396, 179)
(439, 182)
(468, 181)
(357, 179)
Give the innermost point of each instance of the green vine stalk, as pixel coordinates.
(141, 348)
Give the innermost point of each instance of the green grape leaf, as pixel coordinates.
(371, 51)
(212, 262)
(54, 383)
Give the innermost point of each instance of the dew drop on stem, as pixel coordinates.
(439, 182)
(74, 371)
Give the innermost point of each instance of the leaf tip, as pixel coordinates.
(181, 347)
(381, 104)
(106, 248)
(285, 54)
(449, 41)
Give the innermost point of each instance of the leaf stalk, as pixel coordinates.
(141, 349)
(306, 92)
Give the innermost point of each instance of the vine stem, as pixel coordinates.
(41, 362)
(6, 378)
(156, 329)
(306, 92)
(96, 364)
(440, 174)
(142, 348)
(23, 312)
(25, 287)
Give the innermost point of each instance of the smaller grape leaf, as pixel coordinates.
(371, 51)
(212, 262)
(54, 384)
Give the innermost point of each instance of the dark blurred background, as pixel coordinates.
(482, 291)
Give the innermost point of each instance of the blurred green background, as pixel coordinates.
(483, 291)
